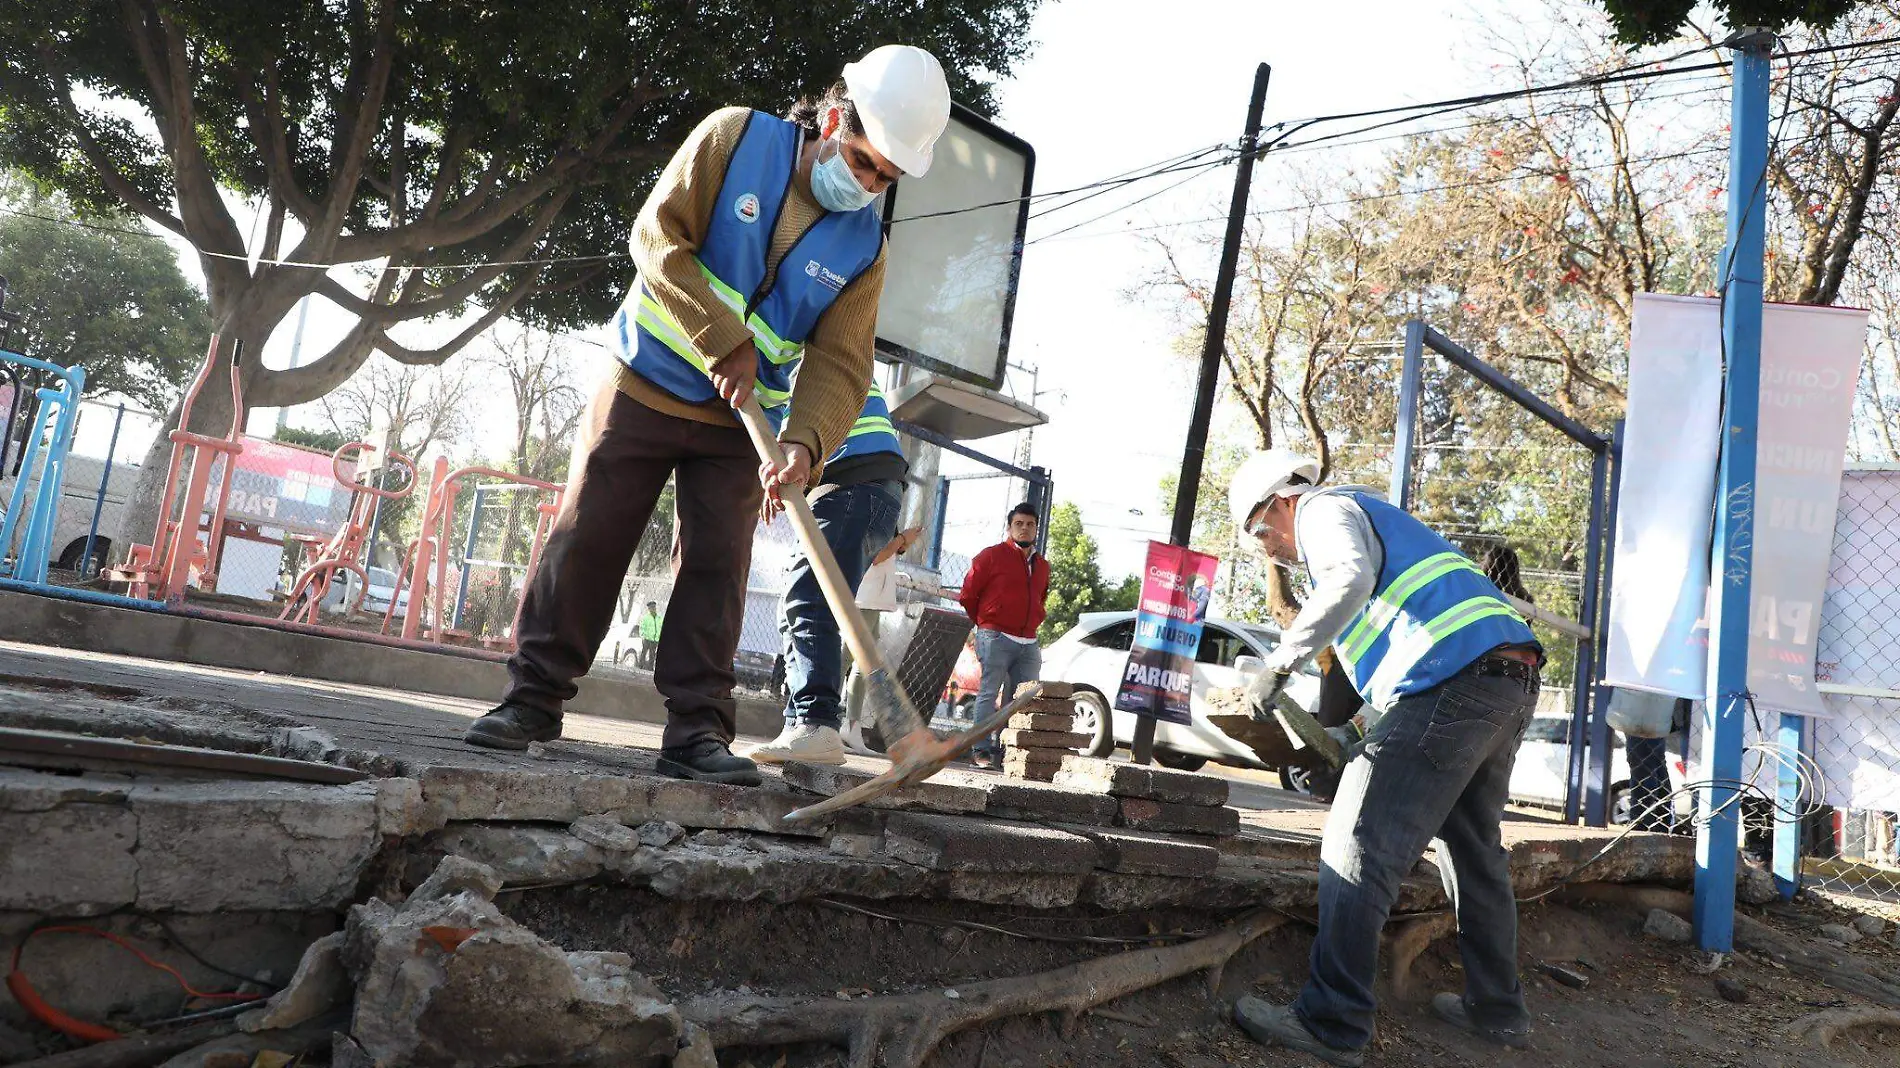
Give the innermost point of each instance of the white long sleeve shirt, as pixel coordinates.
(1335, 540)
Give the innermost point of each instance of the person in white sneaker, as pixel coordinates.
(856, 507)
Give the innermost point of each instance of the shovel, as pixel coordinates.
(916, 753)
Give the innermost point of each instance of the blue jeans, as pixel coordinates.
(1436, 769)
(856, 521)
(1007, 664)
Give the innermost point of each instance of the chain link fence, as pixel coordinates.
(1850, 847)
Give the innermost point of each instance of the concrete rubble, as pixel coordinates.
(449, 982)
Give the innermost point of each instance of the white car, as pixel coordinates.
(1093, 654)
(1543, 768)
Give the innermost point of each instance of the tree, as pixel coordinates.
(471, 155)
(1075, 575)
(422, 410)
(1647, 22)
(539, 370)
(320, 440)
(99, 293)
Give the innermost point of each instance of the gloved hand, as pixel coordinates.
(1263, 692)
(1322, 780)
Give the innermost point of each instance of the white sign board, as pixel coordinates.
(955, 253)
(1810, 363)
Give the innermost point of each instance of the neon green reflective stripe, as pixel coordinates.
(776, 349)
(655, 321)
(871, 425)
(1465, 613)
(1385, 608)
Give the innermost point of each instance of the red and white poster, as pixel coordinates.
(1158, 680)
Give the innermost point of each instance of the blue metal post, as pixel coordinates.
(1403, 438)
(936, 532)
(1726, 709)
(1791, 737)
(1600, 623)
(99, 502)
(468, 553)
(1591, 722)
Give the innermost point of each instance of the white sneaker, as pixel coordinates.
(813, 745)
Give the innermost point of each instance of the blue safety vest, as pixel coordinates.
(1431, 614)
(873, 431)
(826, 258)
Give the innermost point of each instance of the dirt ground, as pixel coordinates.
(1645, 1006)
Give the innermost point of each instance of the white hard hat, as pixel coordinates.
(904, 101)
(1265, 474)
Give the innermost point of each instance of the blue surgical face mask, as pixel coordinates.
(833, 184)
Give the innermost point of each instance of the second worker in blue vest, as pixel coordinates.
(1448, 670)
(856, 504)
(761, 257)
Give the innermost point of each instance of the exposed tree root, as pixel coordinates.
(1842, 971)
(905, 1028)
(1823, 1028)
(1408, 943)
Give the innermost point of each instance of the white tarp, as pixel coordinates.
(1810, 365)
(1665, 498)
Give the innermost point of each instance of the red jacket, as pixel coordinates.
(1005, 592)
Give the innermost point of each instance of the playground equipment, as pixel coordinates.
(345, 547)
(43, 446)
(181, 551)
(425, 573)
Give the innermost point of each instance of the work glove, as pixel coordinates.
(1263, 693)
(1322, 779)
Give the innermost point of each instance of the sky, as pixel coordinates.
(1113, 85)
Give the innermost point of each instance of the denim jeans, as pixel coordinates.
(1007, 664)
(856, 522)
(1436, 769)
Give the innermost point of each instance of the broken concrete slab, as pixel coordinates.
(718, 806)
(948, 843)
(1142, 815)
(1063, 741)
(929, 796)
(1138, 853)
(464, 794)
(403, 811)
(606, 833)
(1051, 691)
(1031, 890)
(1139, 781)
(302, 846)
(71, 846)
(1030, 764)
(320, 984)
(522, 853)
(777, 871)
(1018, 800)
(452, 983)
(454, 874)
(1042, 721)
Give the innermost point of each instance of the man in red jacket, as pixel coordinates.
(1004, 594)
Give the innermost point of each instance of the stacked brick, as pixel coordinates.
(1155, 799)
(1041, 733)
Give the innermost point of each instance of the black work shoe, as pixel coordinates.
(513, 726)
(1278, 1025)
(708, 761)
(1451, 1009)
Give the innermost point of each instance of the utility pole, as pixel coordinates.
(1208, 381)
(1741, 286)
(296, 350)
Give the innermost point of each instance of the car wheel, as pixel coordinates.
(1180, 761)
(1092, 719)
(1297, 780)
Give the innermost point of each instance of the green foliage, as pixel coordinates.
(442, 132)
(320, 440)
(1648, 22)
(100, 293)
(1075, 575)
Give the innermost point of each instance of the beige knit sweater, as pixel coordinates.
(829, 388)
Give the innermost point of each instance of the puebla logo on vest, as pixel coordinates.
(746, 207)
(826, 277)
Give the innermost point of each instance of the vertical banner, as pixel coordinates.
(1665, 507)
(1159, 678)
(1810, 365)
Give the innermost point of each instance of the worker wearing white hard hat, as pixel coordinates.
(1448, 670)
(760, 257)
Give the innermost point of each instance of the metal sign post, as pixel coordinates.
(1726, 709)
(1208, 382)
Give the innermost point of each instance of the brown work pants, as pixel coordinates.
(620, 464)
